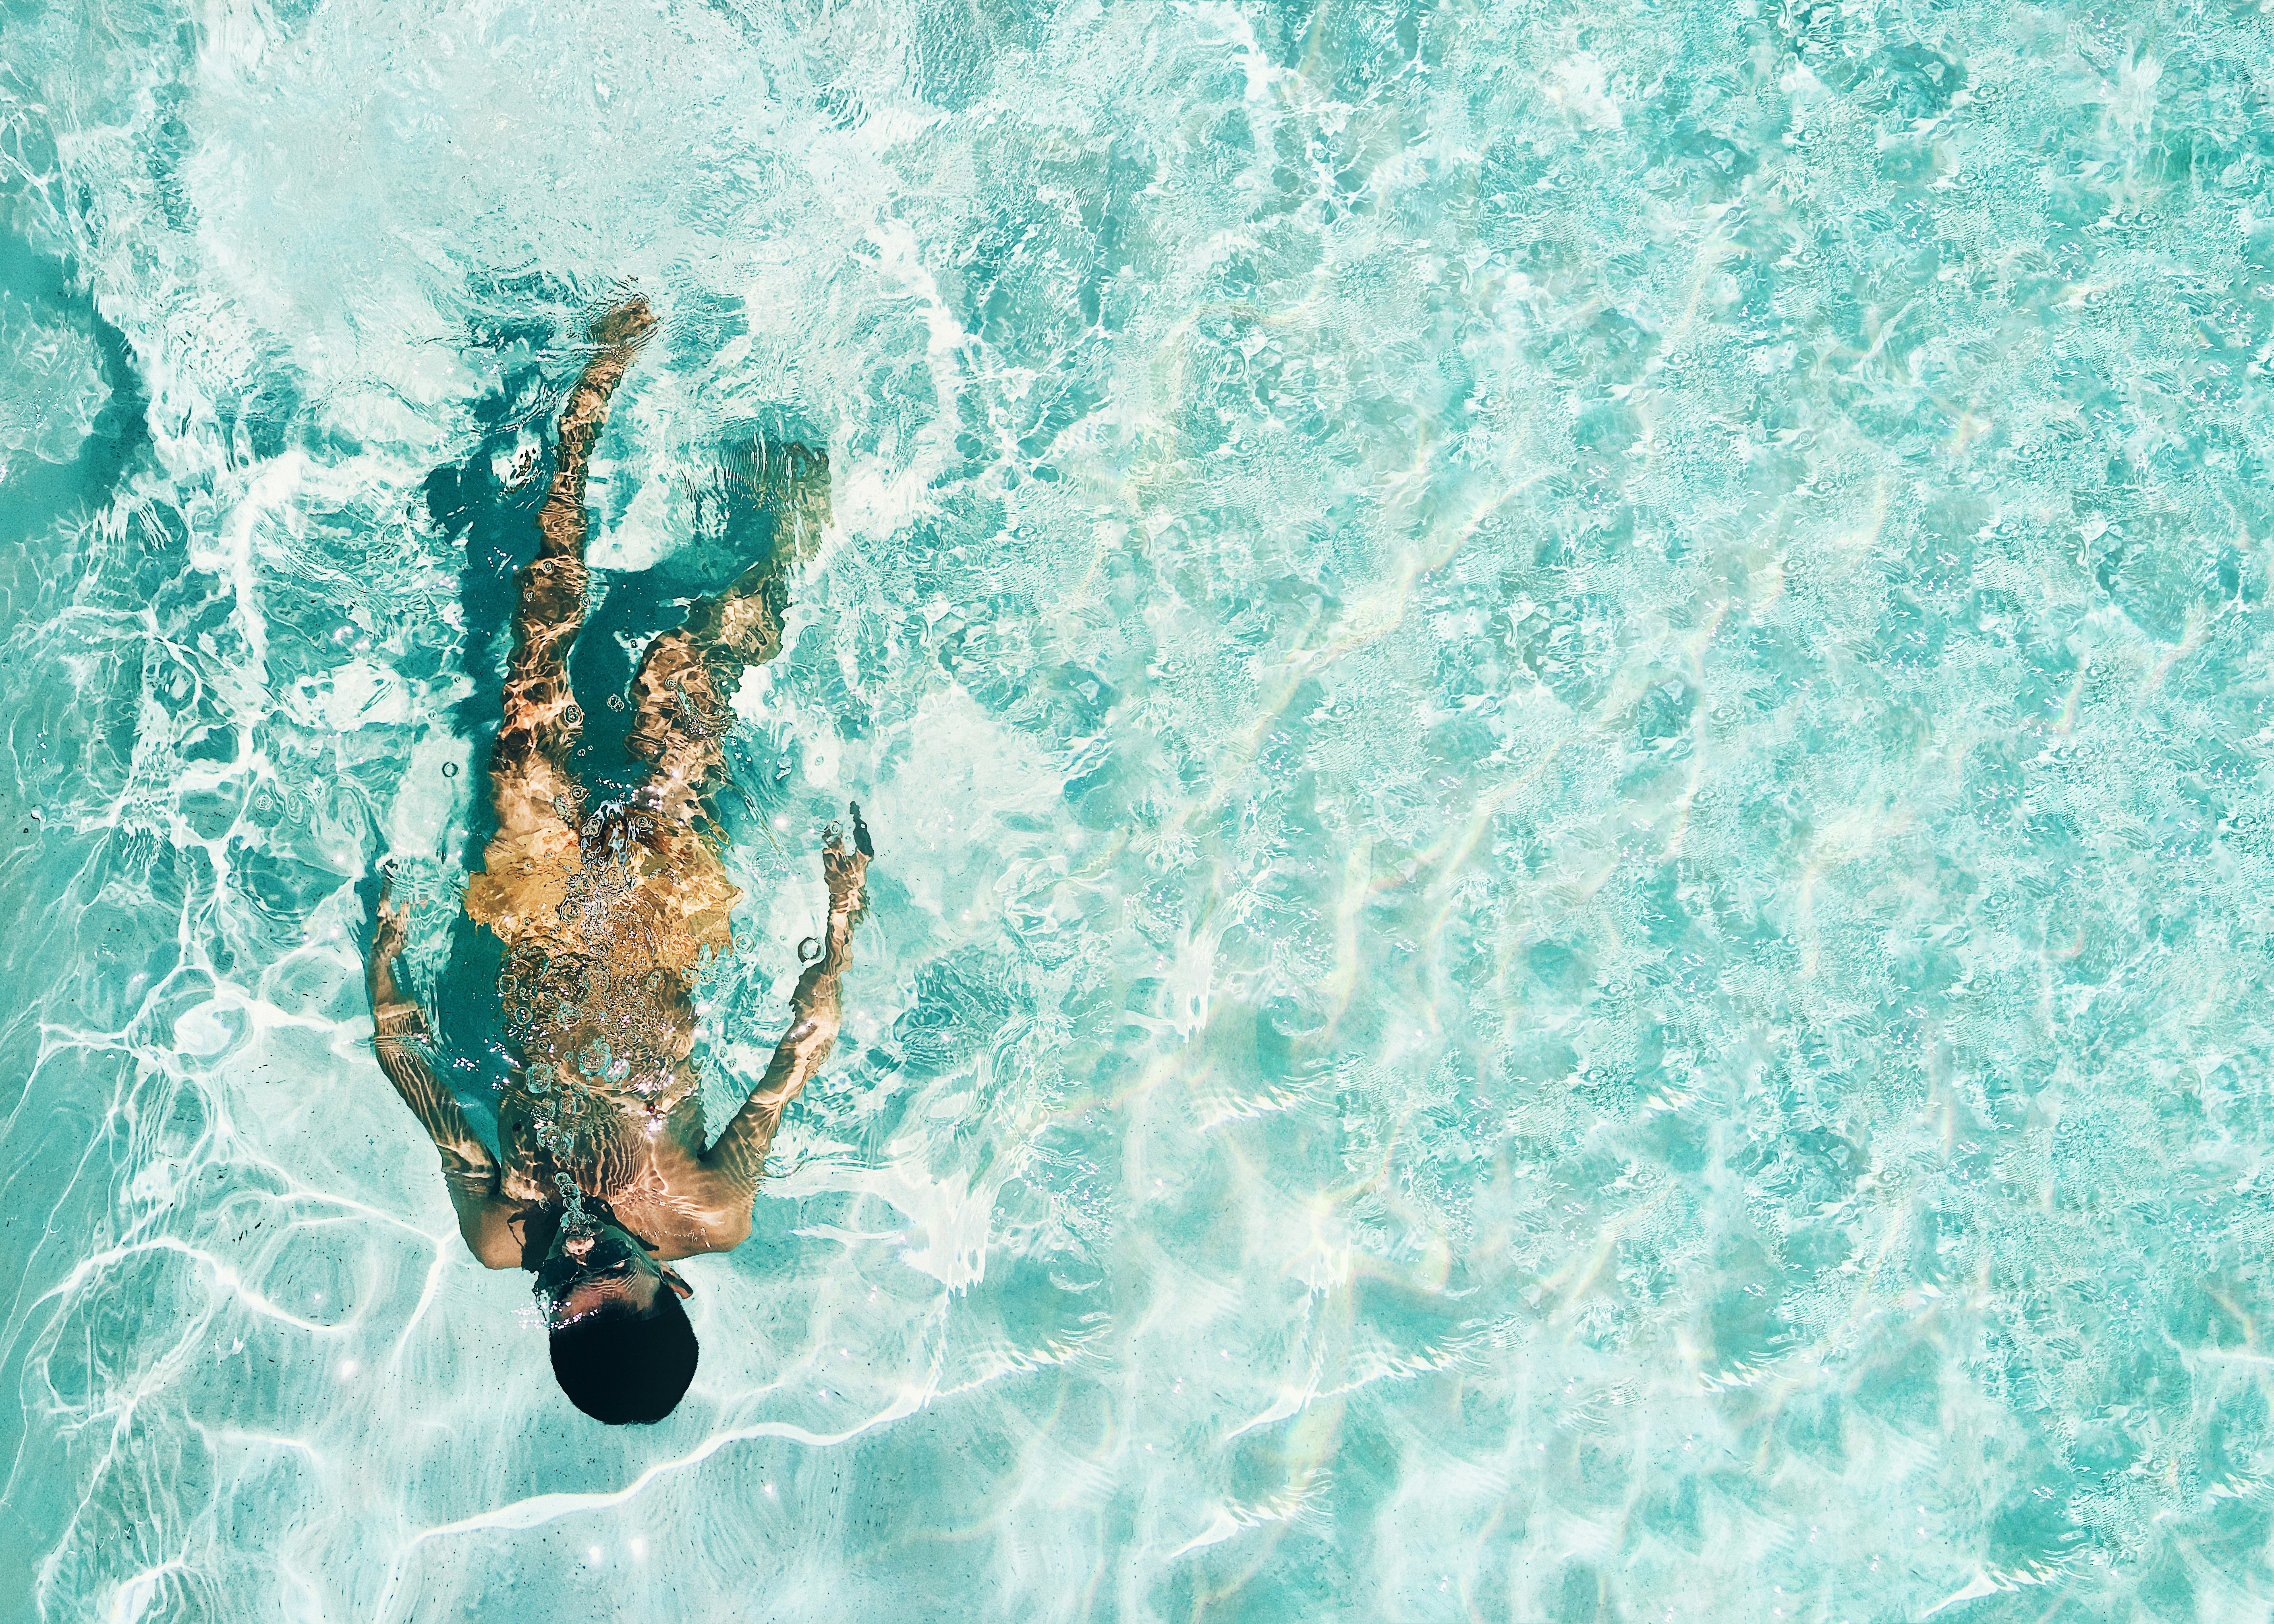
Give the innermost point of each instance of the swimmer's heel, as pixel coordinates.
(623, 323)
(743, 625)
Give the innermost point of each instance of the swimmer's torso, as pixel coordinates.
(606, 929)
(607, 919)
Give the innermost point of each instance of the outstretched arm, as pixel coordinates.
(737, 1159)
(469, 1170)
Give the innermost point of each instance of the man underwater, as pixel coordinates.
(603, 1178)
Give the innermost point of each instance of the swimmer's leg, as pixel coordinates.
(687, 677)
(792, 482)
(530, 773)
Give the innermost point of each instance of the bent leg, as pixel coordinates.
(687, 677)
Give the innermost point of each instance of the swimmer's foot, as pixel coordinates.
(792, 481)
(625, 325)
(742, 627)
(395, 1014)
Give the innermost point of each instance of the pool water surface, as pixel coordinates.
(1566, 715)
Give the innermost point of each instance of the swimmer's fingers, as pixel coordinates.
(375, 891)
(387, 933)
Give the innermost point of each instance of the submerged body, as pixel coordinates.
(606, 914)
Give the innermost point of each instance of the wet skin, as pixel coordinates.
(630, 900)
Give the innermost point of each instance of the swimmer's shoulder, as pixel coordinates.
(691, 1220)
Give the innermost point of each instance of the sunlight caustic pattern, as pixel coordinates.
(1566, 714)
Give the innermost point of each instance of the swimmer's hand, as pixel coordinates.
(845, 872)
(394, 1013)
(388, 931)
(371, 895)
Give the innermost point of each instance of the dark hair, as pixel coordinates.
(618, 1365)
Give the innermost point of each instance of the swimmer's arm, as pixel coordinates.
(469, 1170)
(734, 1164)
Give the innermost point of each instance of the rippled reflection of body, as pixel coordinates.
(608, 913)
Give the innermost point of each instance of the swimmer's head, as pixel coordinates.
(623, 1350)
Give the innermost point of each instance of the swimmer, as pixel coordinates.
(607, 1176)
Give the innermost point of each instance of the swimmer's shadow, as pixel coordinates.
(760, 503)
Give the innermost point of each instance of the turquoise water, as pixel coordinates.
(1566, 712)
